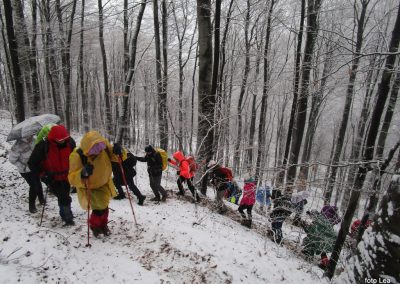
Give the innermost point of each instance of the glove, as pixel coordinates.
(117, 149)
(178, 173)
(87, 171)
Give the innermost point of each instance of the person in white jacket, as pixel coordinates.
(19, 156)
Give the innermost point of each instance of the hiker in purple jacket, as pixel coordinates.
(330, 212)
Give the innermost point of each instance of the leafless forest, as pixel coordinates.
(299, 93)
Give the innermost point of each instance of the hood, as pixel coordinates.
(178, 155)
(58, 133)
(90, 139)
(149, 149)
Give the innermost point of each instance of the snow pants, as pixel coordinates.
(180, 182)
(277, 229)
(35, 188)
(62, 189)
(155, 184)
(249, 208)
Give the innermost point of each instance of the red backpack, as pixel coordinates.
(194, 167)
(227, 172)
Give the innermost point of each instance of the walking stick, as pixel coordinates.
(44, 205)
(126, 187)
(88, 211)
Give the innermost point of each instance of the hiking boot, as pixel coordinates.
(69, 223)
(106, 231)
(96, 231)
(180, 193)
(222, 211)
(164, 197)
(120, 196)
(141, 199)
(155, 199)
(32, 209)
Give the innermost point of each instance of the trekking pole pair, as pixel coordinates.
(126, 187)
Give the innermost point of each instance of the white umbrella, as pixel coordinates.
(31, 126)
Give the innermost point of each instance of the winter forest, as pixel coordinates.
(299, 94)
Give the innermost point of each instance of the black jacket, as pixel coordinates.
(129, 169)
(154, 163)
(283, 207)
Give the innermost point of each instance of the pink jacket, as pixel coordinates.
(249, 193)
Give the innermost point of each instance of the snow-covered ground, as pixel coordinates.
(174, 242)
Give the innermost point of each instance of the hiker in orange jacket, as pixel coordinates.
(185, 175)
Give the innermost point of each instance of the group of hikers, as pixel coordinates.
(99, 170)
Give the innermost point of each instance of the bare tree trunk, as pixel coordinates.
(107, 95)
(348, 102)
(316, 104)
(51, 65)
(252, 130)
(21, 33)
(223, 55)
(297, 73)
(16, 75)
(192, 101)
(162, 95)
(362, 124)
(164, 99)
(301, 113)
(236, 162)
(205, 132)
(84, 95)
(124, 123)
(382, 94)
(264, 101)
(378, 255)
(66, 57)
(28, 51)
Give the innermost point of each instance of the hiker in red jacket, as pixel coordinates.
(185, 175)
(248, 200)
(50, 160)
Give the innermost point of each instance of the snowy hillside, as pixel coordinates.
(174, 242)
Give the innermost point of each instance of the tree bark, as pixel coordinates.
(243, 88)
(349, 101)
(124, 123)
(378, 255)
(107, 96)
(66, 58)
(205, 132)
(297, 73)
(264, 101)
(84, 95)
(16, 70)
(301, 113)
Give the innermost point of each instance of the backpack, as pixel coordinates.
(227, 172)
(164, 158)
(42, 135)
(194, 167)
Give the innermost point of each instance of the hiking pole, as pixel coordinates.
(44, 205)
(126, 187)
(88, 211)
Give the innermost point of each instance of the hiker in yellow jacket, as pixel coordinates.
(90, 172)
